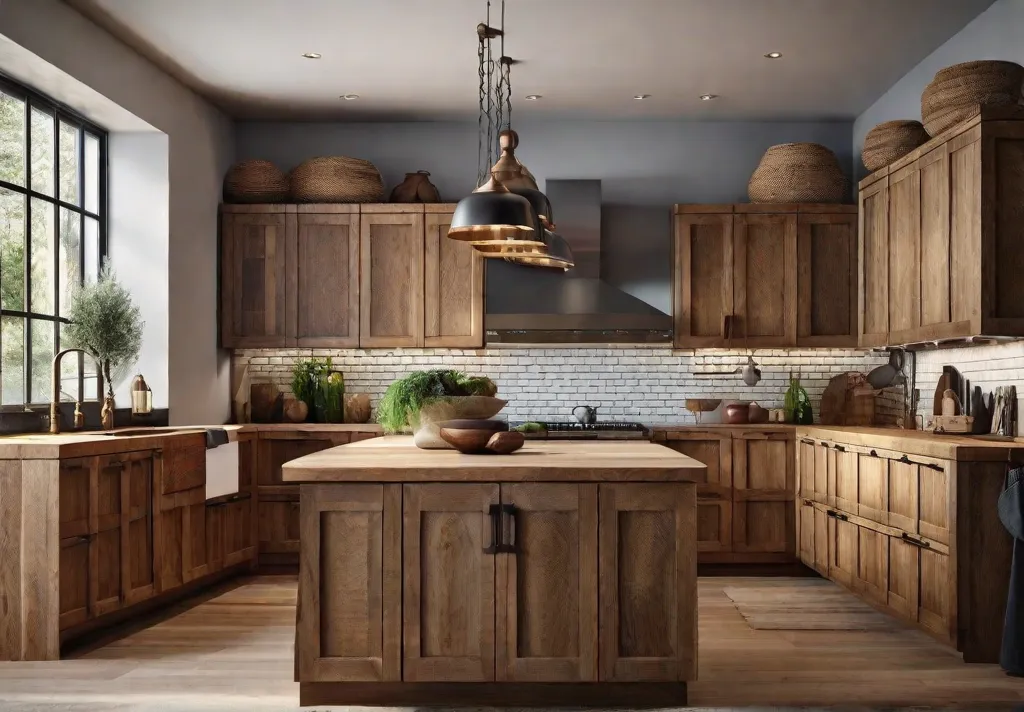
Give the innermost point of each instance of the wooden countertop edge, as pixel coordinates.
(533, 473)
(918, 442)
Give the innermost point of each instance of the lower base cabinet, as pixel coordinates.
(497, 582)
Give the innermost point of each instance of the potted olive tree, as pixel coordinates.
(106, 324)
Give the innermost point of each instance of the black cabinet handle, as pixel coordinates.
(830, 513)
(842, 517)
(511, 510)
(808, 503)
(873, 453)
(494, 512)
(933, 466)
(805, 441)
(840, 448)
(915, 542)
(906, 460)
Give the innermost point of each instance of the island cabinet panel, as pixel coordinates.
(703, 279)
(448, 606)
(715, 492)
(350, 584)
(826, 280)
(547, 588)
(648, 583)
(254, 259)
(453, 286)
(391, 274)
(324, 284)
(764, 279)
(764, 484)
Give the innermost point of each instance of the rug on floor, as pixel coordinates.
(814, 604)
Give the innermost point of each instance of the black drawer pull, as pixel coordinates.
(831, 513)
(840, 448)
(808, 503)
(873, 453)
(906, 460)
(805, 441)
(842, 517)
(916, 542)
(933, 466)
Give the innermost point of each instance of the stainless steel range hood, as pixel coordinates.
(532, 305)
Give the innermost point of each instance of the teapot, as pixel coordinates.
(586, 414)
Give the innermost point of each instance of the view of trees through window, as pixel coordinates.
(51, 239)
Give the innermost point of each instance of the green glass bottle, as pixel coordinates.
(797, 404)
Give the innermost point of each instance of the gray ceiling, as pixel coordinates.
(416, 59)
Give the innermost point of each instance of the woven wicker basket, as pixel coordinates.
(956, 91)
(891, 140)
(255, 182)
(336, 179)
(798, 173)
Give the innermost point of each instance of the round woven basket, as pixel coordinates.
(336, 179)
(956, 91)
(891, 140)
(255, 182)
(797, 173)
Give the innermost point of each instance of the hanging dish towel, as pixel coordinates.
(1011, 514)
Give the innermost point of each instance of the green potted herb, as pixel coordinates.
(321, 388)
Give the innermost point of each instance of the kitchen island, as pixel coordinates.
(563, 574)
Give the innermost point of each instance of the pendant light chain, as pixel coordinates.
(481, 159)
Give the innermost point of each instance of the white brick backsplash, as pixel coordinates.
(645, 383)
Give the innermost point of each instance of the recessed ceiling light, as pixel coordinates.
(708, 97)
(312, 55)
(641, 97)
(773, 55)
(349, 97)
(533, 97)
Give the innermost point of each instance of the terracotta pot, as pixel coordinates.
(737, 414)
(757, 414)
(416, 188)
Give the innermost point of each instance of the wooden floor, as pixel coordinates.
(234, 651)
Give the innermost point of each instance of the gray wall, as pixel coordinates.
(997, 33)
(644, 168)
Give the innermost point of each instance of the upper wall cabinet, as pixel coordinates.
(765, 275)
(942, 237)
(346, 276)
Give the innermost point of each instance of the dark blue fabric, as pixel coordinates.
(1011, 514)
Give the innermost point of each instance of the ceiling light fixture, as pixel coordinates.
(708, 97)
(312, 55)
(349, 97)
(641, 97)
(773, 55)
(533, 97)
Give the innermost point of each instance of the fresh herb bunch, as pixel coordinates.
(107, 324)
(407, 395)
(331, 399)
(307, 377)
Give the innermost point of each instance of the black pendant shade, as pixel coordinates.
(495, 221)
(539, 203)
(558, 257)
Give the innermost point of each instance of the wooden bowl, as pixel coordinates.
(702, 405)
(471, 436)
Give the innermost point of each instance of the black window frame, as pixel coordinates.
(61, 114)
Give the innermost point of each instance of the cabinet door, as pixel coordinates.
(935, 247)
(254, 275)
(764, 482)
(827, 280)
(844, 542)
(934, 501)
(325, 281)
(170, 539)
(806, 533)
(105, 547)
(350, 584)
(195, 560)
(648, 582)
(278, 524)
(904, 253)
(391, 280)
(75, 586)
(874, 264)
(847, 465)
(236, 532)
(75, 482)
(806, 460)
(824, 470)
(448, 606)
(904, 578)
(821, 521)
(453, 307)
(702, 281)
(935, 606)
(873, 488)
(965, 237)
(714, 493)
(184, 464)
(872, 565)
(902, 500)
(764, 280)
(547, 607)
(139, 570)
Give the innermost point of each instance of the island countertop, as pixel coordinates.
(397, 459)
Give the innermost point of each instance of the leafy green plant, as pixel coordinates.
(407, 395)
(107, 324)
(308, 377)
(331, 398)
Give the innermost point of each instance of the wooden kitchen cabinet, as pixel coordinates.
(323, 284)
(277, 527)
(939, 253)
(254, 275)
(715, 493)
(765, 275)
(764, 485)
(391, 246)
(453, 285)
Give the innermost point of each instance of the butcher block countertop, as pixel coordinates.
(920, 442)
(396, 459)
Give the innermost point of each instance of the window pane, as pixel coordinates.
(92, 380)
(43, 333)
(92, 250)
(70, 263)
(42, 256)
(42, 151)
(12, 139)
(12, 345)
(92, 174)
(68, 370)
(12, 250)
(68, 168)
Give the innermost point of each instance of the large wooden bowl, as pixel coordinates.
(425, 424)
(470, 436)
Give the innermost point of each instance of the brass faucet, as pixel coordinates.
(55, 400)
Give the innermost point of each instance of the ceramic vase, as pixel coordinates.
(107, 413)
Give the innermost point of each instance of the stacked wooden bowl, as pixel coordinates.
(798, 173)
(890, 141)
(336, 179)
(956, 92)
(255, 182)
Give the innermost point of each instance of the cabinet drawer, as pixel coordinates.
(846, 479)
(275, 452)
(902, 497)
(184, 465)
(872, 565)
(278, 525)
(933, 496)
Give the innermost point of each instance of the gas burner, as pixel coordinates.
(603, 429)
